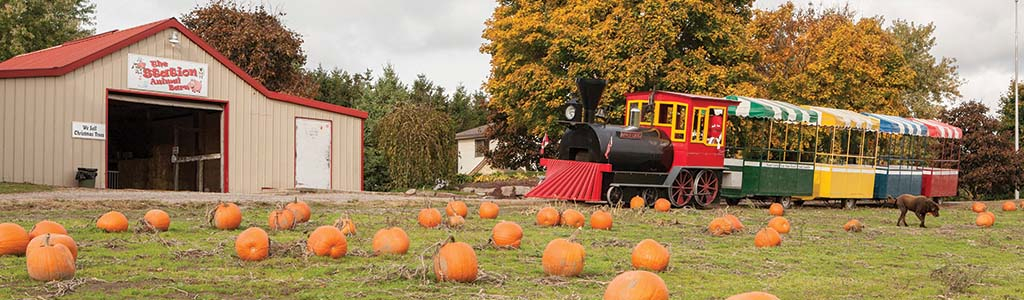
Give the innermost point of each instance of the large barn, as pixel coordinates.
(155, 107)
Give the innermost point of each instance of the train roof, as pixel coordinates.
(899, 125)
(750, 107)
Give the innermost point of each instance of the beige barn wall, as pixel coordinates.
(36, 144)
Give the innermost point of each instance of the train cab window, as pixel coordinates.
(716, 124)
(700, 120)
(679, 130)
(636, 112)
(663, 115)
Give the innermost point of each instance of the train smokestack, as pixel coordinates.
(590, 92)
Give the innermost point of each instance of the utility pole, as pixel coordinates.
(1016, 101)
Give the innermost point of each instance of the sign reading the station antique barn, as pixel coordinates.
(167, 75)
(91, 131)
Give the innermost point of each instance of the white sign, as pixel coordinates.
(92, 131)
(167, 75)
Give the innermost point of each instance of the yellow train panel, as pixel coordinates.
(844, 181)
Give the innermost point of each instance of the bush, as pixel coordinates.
(418, 145)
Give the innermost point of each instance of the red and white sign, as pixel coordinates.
(167, 75)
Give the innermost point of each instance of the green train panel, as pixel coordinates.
(751, 178)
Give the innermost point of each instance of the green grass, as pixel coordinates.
(11, 188)
(817, 260)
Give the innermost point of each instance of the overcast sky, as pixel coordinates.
(441, 38)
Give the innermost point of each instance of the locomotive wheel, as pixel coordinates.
(614, 196)
(705, 188)
(650, 195)
(682, 189)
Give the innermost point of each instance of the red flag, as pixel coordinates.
(544, 143)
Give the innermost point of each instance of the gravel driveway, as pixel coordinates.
(82, 194)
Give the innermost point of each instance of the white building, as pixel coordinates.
(472, 146)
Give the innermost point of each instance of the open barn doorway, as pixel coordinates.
(161, 144)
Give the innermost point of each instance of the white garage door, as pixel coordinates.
(312, 153)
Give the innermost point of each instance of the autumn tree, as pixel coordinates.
(418, 143)
(988, 165)
(256, 40)
(538, 48)
(30, 25)
(936, 80)
(829, 58)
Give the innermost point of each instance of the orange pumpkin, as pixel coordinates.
(55, 238)
(157, 220)
(327, 241)
(736, 224)
(456, 208)
(13, 239)
(456, 221)
(776, 210)
(780, 224)
(662, 205)
(985, 219)
(113, 221)
(226, 216)
(637, 202)
(853, 225)
(767, 237)
(650, 255)
(488, 210)
(429, 217)
(301, 210)
(720, 227)
(253, 244)
(636, 285)
(563, 258)
(978, 207)
(346, 226)
(548, 216)
(390, 241)
(572, 218)
(50, 261)
(753, 296)
(456, 262)
(601, 219)
(44, 227)
(1009, 206)
(281, 219)
(507, 234)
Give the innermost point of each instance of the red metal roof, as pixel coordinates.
(62, 59)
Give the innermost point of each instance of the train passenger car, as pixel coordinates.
(901, 147)
(671, 146)
(941, 171)
(844, 168)
(770, 156)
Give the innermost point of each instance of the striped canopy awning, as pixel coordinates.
(844, 118)
(771, 109)
(899, 125)
(941, 130)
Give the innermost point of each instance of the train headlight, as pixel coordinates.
(570, 112)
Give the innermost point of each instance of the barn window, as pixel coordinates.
(481, 147)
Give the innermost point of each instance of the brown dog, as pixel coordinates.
(922, 206)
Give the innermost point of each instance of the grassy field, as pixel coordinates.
(817, 260)
(10, 188)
